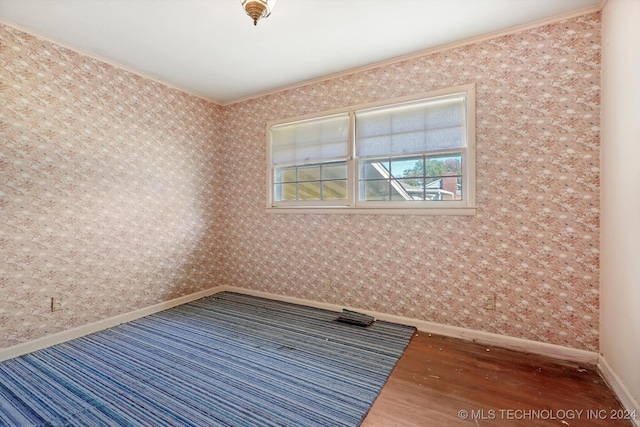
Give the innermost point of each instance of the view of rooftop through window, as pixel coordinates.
(414, 178)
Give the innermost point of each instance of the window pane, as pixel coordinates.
(334, 190)
(309, 173)
(285, 192)
(277, 192)
(309, 191)
(374, 190)
(406, 190)
(405, 167)
(444, 165)
(334, 170)
(412, 189)
(374, 169)
(444, 188)
(452, 187)
(285, 174)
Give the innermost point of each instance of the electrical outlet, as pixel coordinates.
(490, 302)
(327, 284)
(56, 304)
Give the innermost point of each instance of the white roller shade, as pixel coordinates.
(311, 141)
(417, 127)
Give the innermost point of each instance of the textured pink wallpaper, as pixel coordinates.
(107, 193)
(534, 241)
(117, 193)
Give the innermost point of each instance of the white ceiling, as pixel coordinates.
(211, 48)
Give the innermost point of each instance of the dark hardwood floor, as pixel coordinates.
(442, 381)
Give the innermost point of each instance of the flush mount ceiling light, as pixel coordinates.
(257, 9)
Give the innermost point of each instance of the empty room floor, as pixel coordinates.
(442, 381)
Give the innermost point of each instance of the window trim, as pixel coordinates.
(354, 206)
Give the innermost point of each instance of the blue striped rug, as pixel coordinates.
(224, 360)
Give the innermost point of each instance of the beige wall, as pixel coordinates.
(107, 191)
(620, 276)
(118, 193)
(534, 242)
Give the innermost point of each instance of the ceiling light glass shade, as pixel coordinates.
(257, 9)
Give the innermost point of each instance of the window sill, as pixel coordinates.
(319, 210)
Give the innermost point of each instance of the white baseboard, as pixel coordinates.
(620, 389)
(80, 331)
(485, 338)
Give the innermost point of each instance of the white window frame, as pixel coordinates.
(352, 205)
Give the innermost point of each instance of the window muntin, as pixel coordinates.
(411, 153)
(318, 181)
(415, 178)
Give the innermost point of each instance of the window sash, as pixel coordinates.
(416, 178)
(327, 182)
